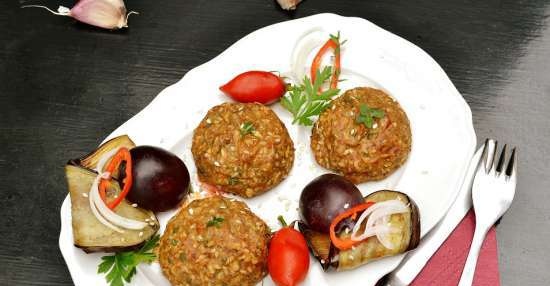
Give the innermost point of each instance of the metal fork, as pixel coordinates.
(492, 193)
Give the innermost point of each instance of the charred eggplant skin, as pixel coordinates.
(319, 245)
(323, 250)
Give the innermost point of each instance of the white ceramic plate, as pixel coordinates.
(443, 135)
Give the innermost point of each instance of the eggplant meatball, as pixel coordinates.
(242, 148)
(341, 140)
(214, 241)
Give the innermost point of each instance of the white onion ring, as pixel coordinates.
(105, 215)
(103, 160)
(305, 44)
(377, 222)
(101, 219)
(110, 215)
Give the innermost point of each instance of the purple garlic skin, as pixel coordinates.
(107, 14)
(289, 4)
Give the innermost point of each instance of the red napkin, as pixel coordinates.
(445, 267)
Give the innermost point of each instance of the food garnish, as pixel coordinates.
(120, 157)
(333, 44)
(121, 267)
(255, 86)
(215, 221)
(107, 216)
(344, 244)
(367, 115)
(247, 128)
(288, 258)
(378, 222)
(98, 198)
(107, 14)
(305, 101)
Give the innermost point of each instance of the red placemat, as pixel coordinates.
(445, 267)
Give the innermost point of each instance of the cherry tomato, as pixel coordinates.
(288, 258)
(255, 86)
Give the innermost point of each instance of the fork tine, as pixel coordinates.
(490, 156)
(483, 157)
(501, 160)
(511, 169)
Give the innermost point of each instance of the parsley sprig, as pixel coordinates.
(305, 101)
(215, 221)
(247, 128)
(367, 115)
(121, 267)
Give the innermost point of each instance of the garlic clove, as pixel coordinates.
(107, 14)
(288, 4)
(101, 13)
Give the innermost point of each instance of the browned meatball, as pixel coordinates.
(242, 148)
(341, 143)
(214, 241)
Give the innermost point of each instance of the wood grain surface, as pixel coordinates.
(64, 86)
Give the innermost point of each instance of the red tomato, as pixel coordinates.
(288, 258)
(255, 86)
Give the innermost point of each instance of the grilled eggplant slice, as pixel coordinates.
(90, 234)
(371, 249)
(90, 160)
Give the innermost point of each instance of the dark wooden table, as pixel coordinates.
(65, 86)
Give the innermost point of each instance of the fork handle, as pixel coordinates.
(467, 277)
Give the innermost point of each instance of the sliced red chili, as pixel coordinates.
(332, 44)
(122, 155)
(345, 244)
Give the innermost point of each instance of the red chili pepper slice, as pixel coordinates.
(332, 44)
(345, 244)
(123, 154)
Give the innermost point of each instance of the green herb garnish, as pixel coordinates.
(121, 267)
(282, 221)
(233, 181)
(367, 115)
(305, 101)
(215, 221)
(247, 128)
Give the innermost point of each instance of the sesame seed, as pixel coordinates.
(85, 195)
(140, 233)
(190, 211)
(375, 125)
(134, 205)
(208, 121)
(216, 163)
(146, 220)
